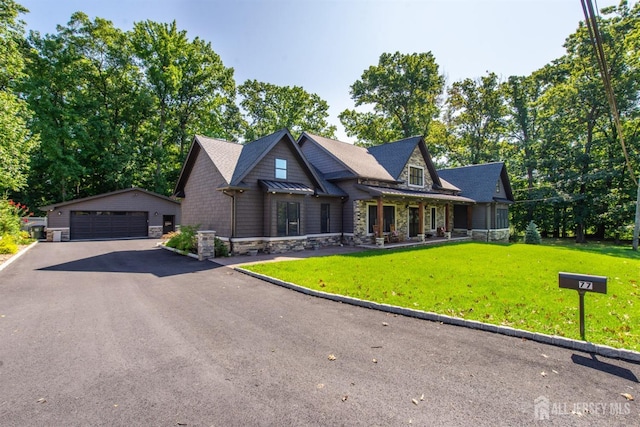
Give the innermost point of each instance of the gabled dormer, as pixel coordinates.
(409, 162)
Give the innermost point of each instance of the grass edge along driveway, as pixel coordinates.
(512, 285)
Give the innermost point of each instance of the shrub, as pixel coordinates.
(220, 248)
(532, 235)
(185, 240)
(8, 245)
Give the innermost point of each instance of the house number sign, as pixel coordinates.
(582, 283)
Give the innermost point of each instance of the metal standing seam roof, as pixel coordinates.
(286, 187)
(357, 159)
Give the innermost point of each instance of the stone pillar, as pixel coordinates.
(206, 244)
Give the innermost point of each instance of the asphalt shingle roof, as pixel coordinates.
(477, 182)
(395, 155)
(356, 159)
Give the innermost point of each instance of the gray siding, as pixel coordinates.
(354, 194)
(203, 205)
(256, 211)
(313, 225)
(134, 200)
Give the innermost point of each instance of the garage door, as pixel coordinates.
(108, 224)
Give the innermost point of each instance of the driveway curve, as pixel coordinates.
(123, 333)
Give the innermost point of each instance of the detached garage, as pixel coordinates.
(129, 213)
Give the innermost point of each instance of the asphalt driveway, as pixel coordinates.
(122, 333)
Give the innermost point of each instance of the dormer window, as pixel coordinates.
(281, 169)
(416, 176)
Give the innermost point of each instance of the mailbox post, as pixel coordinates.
(582, 283)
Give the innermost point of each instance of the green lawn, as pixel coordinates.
(513, 285)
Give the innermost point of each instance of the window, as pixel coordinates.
(498, 186)
(502, 219)
(416, 176)
(388, 217)
(288, 219)
(324, 217)
(433, 219)
(281, 169)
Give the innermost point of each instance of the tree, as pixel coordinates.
(90, 108)
(521, 95)
(476, 114)
(269, 107)
(402, 92)
(191, 90)
(16, 140)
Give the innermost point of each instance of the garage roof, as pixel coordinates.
(98, 196)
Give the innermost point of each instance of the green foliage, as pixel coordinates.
(531, 235)
(16, 140)
(8, 244)
(186, 240)
(221, 250)
(476, 114)
(402, 90)
(118, 109)
(269, 108)
(11, 214)
(491, 283)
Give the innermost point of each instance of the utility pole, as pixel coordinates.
(596, 40)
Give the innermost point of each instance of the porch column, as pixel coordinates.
(421, 218)
(446, 217)
(380, 218)
(469, 217)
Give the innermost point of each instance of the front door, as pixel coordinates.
(414, 221)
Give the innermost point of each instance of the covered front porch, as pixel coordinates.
(404, 217)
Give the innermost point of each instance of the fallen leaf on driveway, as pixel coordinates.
(385, 324)
(43, 400)
(543, 373)
(545, 356)
(415, 402)
(422, 397)
(626, 396)
(331, 357)
(375, 360)
(344, 398)
(554, 371)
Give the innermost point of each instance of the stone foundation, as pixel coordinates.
(155, 231)
(53, 233)
(278, 245)
(316, 241)
(500, 235)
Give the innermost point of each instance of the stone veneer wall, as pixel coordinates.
(315, 241)
(499, 235)
(155, 231)
(361, 233)
(279, 245)
(206, 244)
(64, 237)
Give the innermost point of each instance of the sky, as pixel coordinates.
(325, 45)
